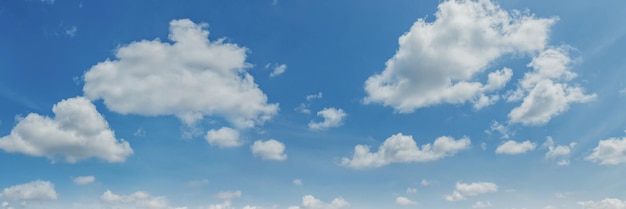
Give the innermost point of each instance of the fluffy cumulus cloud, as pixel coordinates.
(405, 201)
(545, 92)
(463, 191)
(332, 117)
(191, 78)
(401, 148)
(514, 148)
(35, 190)
(559, 152)
(139, 199)
(223, 137)
(310, 202)
(269, 150)
(607, 203)
(439, 62)
(84, 180)
(77, 132)
(610, 151)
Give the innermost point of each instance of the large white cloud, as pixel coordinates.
(514, 148)
(607, 203)
(401, 148)
(269, 150)
(545, 91)
(333, 117)
(310, 202)
(463, 191)
(137, 199)
(35, 190)
(190, 78)
(610, 151)
(440, 61)
(77, 131)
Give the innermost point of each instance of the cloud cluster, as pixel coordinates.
(561, 152)
(463, 191)
(514, 148)
(138, 199)
(269, 150)
(35, 190)
(310, 202)
(438, 62)
(544, 92)
(190, 78)
(607, 203)
(77, 132)
(401, 148)
(610, 151)
(332, 117)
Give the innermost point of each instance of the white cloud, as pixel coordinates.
(279, 69)
(34, 190)
(559, 151)
(77, 132)
(498, 127)
(190, 78)
(438, 62)
(269, 150)
(310, 202)
(71, 32)
(610, 151)
(84, 180)
(138, 199)
(425, 182)
(228, 195)
(333, 117)
(297, 182)
(411, 190)
(403, 149)
(223, 137)
(463, 191)
(310, 97)
(544, 91)
(514, 148)
(405, 201)
(607, 203)
(481, 204)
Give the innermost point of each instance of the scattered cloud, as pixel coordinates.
(197, 183)
(34, 190)
(411, 190)
(333, 117)
(515, 148)
(499, 128)
(544, 92)
(304, 107)
(437, 62)
(310, 202)
(400, 148)
(561, 152)
(77, 132)
(610, 151)
(607, 203)
(138, 199)
(405, 201)
(84, 180)
(297, 182)
(269, 150)
(227, 195)
(71, 32)
(191, 78)
(425, 182)
(481, 204)
(140, 132)
(310, 97)
(278, 69)
(623, 91)
(223, 137)
(463, 191)
(48, 1)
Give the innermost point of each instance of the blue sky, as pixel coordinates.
(312, 104)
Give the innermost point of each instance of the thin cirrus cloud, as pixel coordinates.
(401, 148)
(191, 78)
(77, 132)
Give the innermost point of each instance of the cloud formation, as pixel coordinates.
(607, 203)
(514, 148)
(139, 199)
(223, 137)
(401, 148)
(438, 62)
(405, 201)
(610, 151)
(190, 78)
(463, 191)
(35, 190)
(310, 202)
(84, 180)
(76, 132)
(332, 117)
(269, 150)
